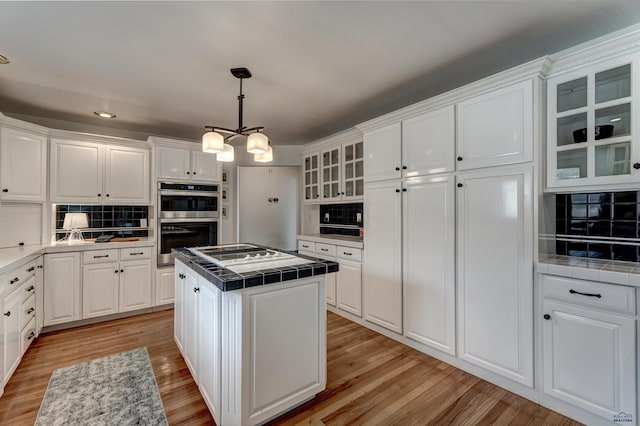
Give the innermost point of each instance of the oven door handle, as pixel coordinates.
(212, 218)
(190, 193)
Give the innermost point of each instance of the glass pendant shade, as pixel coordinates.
(257, 143)
(212, 142)
(227, 154)
(264, 158)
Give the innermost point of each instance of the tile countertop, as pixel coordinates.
(607, 271)
(340, 240)
(227, 280)
(13, 257)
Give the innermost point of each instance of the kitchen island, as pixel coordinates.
(250, 324)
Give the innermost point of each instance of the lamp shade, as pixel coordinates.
(75, 221)
(257, 143)
(212, 142)
(264, 158)
(227, 154)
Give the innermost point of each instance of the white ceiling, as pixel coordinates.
(318, 67)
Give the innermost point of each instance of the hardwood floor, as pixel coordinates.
(371, 380)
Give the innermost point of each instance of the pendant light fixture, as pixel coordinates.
(216, 139)
(264, 158)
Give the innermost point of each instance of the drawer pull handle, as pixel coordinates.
(31, 336)
(324, 249)
(348, 254)
(7, 314)
(305, 246)
(98, 257)
(572, 291)
(136, 254)
(196, 289)
(31, 288)
(33, 268)
(15, 280)
(30, 310)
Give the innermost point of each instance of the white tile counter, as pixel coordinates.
(10, 258)
(340, 240)
(606, 271)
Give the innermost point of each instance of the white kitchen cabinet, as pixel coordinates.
(100, 289)
(134, 285)
(185, 164)
(382, 153)
(83, 172)
(190, 316)
(39, 294)
(311, 177)
(209, 379)
(382, 273)
(495, 271)
(496, 127)
(591, 130)
(165, 287)
(62, 291)
(589, 345)
(352, 171)
(421, 145)
(348, 284)
(309, 248)
(178, 306)
(330, 173)
(11, 333)
(23, 165)
(428, 261)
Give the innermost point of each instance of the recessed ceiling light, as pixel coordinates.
(104, 114)
(4, 60)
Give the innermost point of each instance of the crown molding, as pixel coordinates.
(192, 145)
(350, 135)
(14, 123)
(101, 139)
(537, 68)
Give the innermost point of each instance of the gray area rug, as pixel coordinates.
(116, 390)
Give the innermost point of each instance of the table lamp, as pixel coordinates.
(73, 221)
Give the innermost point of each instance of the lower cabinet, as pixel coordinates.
(12, 333)
(135, 285)
(209, 374)
(178, 305)
(165, 292)
(62, 291)
(190, 316)
(99, 290)
(589, 346)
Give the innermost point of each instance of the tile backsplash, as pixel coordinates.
(598, 225)
(121, 221)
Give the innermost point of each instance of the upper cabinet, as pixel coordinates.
(311, 177)
(352, 170)
(591, 125)
(83, 172)
(23, 166)
(330, 172)
(417, 146)
(496, 127)
(185, 164)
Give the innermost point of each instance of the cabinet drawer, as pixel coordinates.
(28, 289)
(349, 253)
(326, 249)
(135, 253)
(28, 335)
(306, 246)
(609, 297)
(28, 308)
(15, 278)
(100, 256)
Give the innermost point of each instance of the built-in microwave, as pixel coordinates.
(182, 200)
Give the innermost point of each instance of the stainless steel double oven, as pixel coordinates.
(188, 216)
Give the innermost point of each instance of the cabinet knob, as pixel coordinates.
(7, 314)
(31, 288)
(15, 280)
(99, 195)
(459, 185)
(635, 166)
(39, 266)
(115, 272)
(188, 173)
(194, 173)
(404, 167)
(196, 289)
(5, 190)
(121, 270)
(404, 189)
(460, 158)
(547, 316)
(30, 311)
(31, 336)
(107, 195)
(397, 169)
(397, 190)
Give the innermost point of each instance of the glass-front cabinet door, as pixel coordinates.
(311, 170)
(353, 171)
(592, 126)
(330, 169)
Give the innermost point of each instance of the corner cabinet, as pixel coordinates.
(592, 127)
(23, 166)
(83, 172)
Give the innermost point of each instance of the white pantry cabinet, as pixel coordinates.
(496, 127)
(184, 164)
(589, 351)
(421, 145)
(23, 165)
(62, 288)
(83, 172)
(382, 273)
(428, 261)
(495, 271)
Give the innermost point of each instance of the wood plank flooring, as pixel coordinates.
(371, 380)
